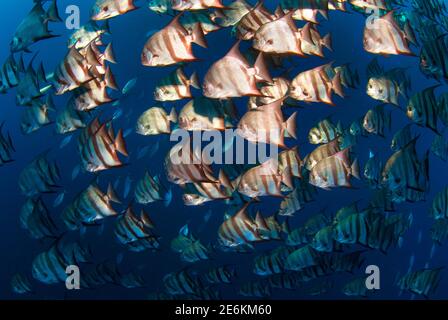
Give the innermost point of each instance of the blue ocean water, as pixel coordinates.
(17, 249)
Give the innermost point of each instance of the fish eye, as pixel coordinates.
(270, 41)
(106, 8)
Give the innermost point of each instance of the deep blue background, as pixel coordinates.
(17, 250)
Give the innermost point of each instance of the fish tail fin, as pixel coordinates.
(120, 144)
(111, 194)
(327, 42)
(198, 36)
(194, 81)
(167, 198)
(52, 13)
(355, 169)
(173, 115)
(305, 33)
(110, 80)
(291, 125)
(337, 85)
(409, 33)
(109, 54)
(262, 70)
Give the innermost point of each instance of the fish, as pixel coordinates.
(39, 176)
(334, 171)
(150, 189)
(160, 6)
(176, 86)
(439, 205)
(171, 45)
(422, 109)
(377, 120)
(324, 132)
(316, 86)
(98, 147)
(232, 76)
(205, 20)
(264, 180)
(106, 9)
(423, 282)
(34, 27)
(20, 284)
(87, 33)
(223, 274)
(306, 11)
(156, 121)
(90, 206)
(266, 38)
(356, 288)
(274, 128)
(238, 229)
(37, 116)
(129, 86)
(231, 14)
(402, 137)
(136, 232)
(192, 5)
(10, 73)
(59, 199)
(439, 147)
(204, 114)
(384, 36)
(278, 90)
(322, 152)
(249, 24)
(373, 170)
(433, 60)
(255, 289)
(69, 119)
(36, 219)
(6, 147)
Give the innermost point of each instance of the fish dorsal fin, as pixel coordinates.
(262, 70)
(91, 57)
(260, 221)
(236, 53)
(242, 213)
(109, 54)
(111, 194)
(184, 231)
(120, 143)
(110, 79)
(176, 24)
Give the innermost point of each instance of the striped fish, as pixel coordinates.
(94, 93)
(313, 43)
(377, 120)
(278, 90)
(439, 231)
(183, 166)
(89, 207)
(367, 228)
(106, 9)
(88, 32)
(39, 176)
(306, 10)
(271, 262)
(181, 282)
(149, 190)
(266, 124)
(433, 58)
(386, 37)
(232, 76)
(252, 21)
(334, 171)
(176, 86)
(322, 152)
(316, 86)
(10, 73)
(283, 281)
(372, 171)
(289, 161)
(324, 132)
(439, 147)
(422, 109)
(35, 218)
(171, 45)
(204, 19)
(356, 288)
(72, 72)
(195, 252)
(192, 5)
(223, 274)
(20, 284)
(6, 147)
(302, 258)
(439, 206)
(96, 59)
(29, 87)
(442, 111)
(323, 240)
(136, 233)
(255, 289)
(99, 147)
(371, 4)
(423, 282)
(264, 180)
(402, 137)
(238, 229)
(231, 14)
